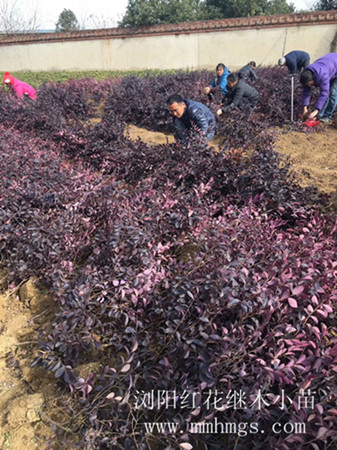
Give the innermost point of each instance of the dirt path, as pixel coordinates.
(314, 156)
(26, 393)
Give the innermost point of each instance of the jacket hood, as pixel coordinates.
(8, 78)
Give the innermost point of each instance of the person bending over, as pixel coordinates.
(20, 88)
(247, 72)
(239, 95)
(295, 61)
(189, 115)
(323, 74)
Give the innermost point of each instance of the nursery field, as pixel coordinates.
(162, 295)
(313, 156)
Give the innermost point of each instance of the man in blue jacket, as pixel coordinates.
(295, 61)
(189, 115)
(323, 74)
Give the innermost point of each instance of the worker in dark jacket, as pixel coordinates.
(239, 95)
(247, 72)
(295, 61)
(323, 74)
(189, 114)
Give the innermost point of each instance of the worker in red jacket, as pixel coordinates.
(20, 88)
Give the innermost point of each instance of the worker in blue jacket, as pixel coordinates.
(219, 82)
(189, 115)
(295, 61)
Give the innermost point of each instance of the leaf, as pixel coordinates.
(126, 368)
(321, 433)
(328, 308)
(186, 446)
(232, 302)
(292, 302)
(298, 290)
(315, 446)
(314, 299)
(323, 313)
(245, 271)
(111, 395)
(60, 372)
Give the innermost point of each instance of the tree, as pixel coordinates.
(95, 22)
(154, 12)
(244, 8)
(12, 20)
(326, 5)
(67, 21)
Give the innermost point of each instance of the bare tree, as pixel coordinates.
(94, 22)
(13, 20)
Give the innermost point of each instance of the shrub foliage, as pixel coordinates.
(200, 281)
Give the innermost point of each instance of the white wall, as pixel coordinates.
(193, 50)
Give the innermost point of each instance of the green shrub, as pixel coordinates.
(37, 79)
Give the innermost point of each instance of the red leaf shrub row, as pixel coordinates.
(203, 283)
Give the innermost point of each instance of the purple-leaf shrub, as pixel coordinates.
(238, 311)
(205, 274)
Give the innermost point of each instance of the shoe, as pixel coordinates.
(325, 120)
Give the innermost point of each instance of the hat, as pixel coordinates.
(282, 61)
(8, 78)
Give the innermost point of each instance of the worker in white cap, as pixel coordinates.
(295, 61)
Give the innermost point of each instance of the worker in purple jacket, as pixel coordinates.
(323, 74)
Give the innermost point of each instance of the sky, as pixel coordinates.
(48, 11)
(108, 11)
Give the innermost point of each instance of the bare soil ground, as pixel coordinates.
(27, 394)
(28, 399)
(313, 155)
